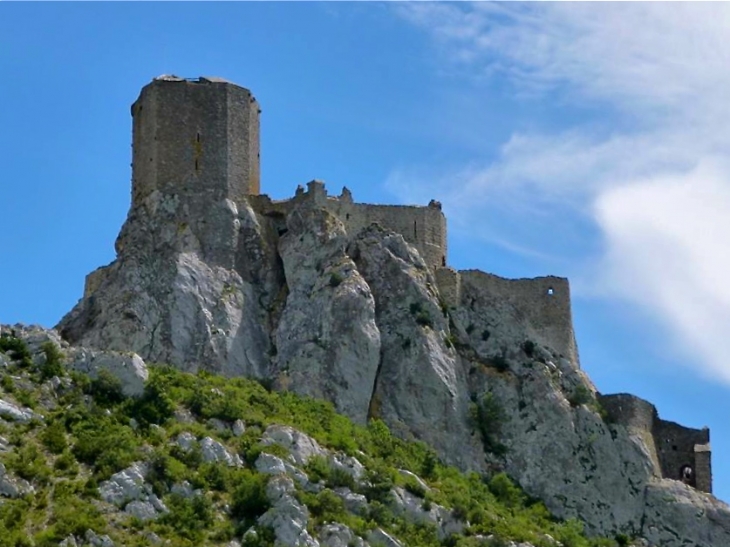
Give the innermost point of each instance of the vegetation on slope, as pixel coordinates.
(89, 430)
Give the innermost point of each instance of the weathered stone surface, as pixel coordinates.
(13, 487)
(127, 367)
(213, 451)
(238, 428)
(381, 537)
(182, 297)
(126, 485)
(92, 538)
(143, 510)
(287, 517)
(355, 503)
(421, 387)
(677, 515)
(127, 489)
(274, 465)
(339, 535)
(13, 413)
(566, 456)
(411, 507)
(300, 446)
(327, 339)
(186, 441)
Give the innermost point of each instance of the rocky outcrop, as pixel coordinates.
(357, 318)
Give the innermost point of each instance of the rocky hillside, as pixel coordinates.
(98, 449)
(357, 319)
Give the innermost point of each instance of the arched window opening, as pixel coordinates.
(686, 474)
(415, 229)
(550, 291)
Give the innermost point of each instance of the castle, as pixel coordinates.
(199, 139)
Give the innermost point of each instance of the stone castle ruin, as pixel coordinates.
(196, 159)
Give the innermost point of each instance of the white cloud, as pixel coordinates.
(649, 179)
(667, 249)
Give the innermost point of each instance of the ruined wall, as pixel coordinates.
(543, 303)
(672, 446)
(676, 448)
(196, 137)
(448, 281)
(422, 227)
(637, 415)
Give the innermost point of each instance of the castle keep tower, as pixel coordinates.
(195, 137)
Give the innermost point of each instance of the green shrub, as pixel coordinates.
(326, 506)
(261, 537)
(53, 437)
(53, 365)
(506, 491)
(335, 279)
(163, 469)
(29, 463)
(66, 464)
(7, 383)
(249, 500)
(189, 517)
(104, 444)
(487, 416)
(16, 349)
(154, 406)
(415, 488)
(26, 397)
(106, 389)
(581, 395)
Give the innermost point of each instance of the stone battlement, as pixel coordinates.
(424, 227)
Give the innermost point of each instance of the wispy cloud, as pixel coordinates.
(647, 176)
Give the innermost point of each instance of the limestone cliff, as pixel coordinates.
(359, 318)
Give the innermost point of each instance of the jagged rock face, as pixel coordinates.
(328, 341)
(565, 455)
(170, 298)
(357, 319)
(421, 387)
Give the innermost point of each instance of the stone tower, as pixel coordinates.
(195, 138)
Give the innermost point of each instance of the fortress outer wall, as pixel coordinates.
(673, 447)
(542, 303)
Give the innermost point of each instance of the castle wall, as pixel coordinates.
(448, 281)
(422, 227)
(703, 468)
(195, 138)
(676, 448)
(671, 445)
(543, 303)
(637, 415)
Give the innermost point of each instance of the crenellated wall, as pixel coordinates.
(424, 227)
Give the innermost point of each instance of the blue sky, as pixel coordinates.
(581, 140)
